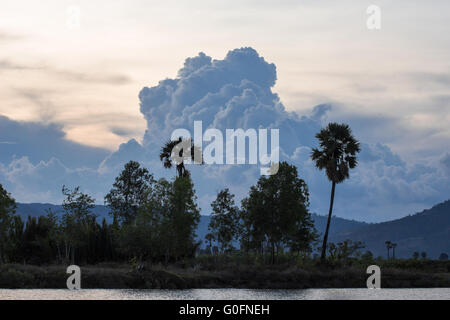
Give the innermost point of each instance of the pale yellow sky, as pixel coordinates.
(88, 79)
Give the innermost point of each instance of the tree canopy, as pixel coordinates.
(276, 213)
(128, 191)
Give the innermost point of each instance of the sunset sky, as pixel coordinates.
(392, 85)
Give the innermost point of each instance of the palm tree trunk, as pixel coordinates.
(273, 252)
(325, 237)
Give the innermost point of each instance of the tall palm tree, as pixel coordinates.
(177, 152)
(388, 247)
(337, 155)
(393, 245)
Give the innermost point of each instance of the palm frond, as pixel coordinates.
(337, 152)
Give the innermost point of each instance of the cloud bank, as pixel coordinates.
(233, 93)
(39, 141)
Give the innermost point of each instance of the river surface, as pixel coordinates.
(228, 294)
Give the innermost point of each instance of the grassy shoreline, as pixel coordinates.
(432, 274)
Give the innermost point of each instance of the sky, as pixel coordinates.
(74, 107)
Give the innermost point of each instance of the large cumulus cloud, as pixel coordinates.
(236, 92)
(233, 93)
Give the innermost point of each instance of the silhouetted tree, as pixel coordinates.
(388, 247)
(15, 251)
(367, 256)
(178, 152)
(423, 255)
(342, 251)
(416, 255)
(128, 192)
(38, 240)
(276, 212)
(180, 222)
(443, 256)
(7, 210)
(78, 220)
(143, 239)
(224, 224)
(393, 246)
(337, 155)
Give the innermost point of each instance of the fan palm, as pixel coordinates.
(337, 155)
(393, 246)
(388, 247)
(178, 152)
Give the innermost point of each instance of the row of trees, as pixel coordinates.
(150, 220)
(390, 245)
(74, 236)
(274, 217)
(156, 219)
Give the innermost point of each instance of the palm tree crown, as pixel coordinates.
(178, 151)
(337, 153)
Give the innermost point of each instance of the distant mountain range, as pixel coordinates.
(427, 231)
(38, 209)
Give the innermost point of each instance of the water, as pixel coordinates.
(228, 294)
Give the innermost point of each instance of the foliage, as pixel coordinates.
(224, 226)
(337, 153)
(140, 239)
(345, 250)
(181, 220)
(78, 223)
(164, 229)
(7, 210)
(155, 221)
(275, 214)
(128, 192)
(443, 256)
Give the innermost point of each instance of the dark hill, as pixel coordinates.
(427, 231)
(38, 209)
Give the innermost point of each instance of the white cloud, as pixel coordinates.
(236, 92)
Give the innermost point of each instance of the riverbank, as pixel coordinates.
(123, 276)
